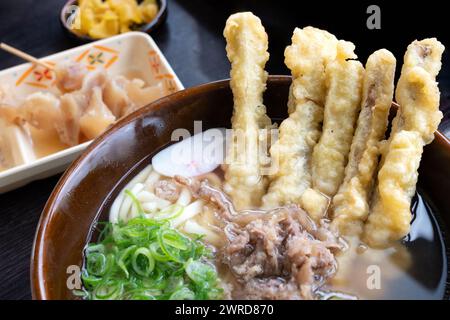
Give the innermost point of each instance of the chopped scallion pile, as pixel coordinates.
(147, 259)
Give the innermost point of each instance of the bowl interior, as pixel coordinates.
(73, 206)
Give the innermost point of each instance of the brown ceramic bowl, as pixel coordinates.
(85, 187)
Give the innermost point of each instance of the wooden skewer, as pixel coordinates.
(25, 56)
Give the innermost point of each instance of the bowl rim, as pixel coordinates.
(159, 18)
(37, 266)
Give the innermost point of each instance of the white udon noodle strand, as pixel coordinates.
(127, 203)
(143, 186)
(134, 211)
(152, 178)
(193, 227)
(117, 208)
(151, 202)
(189, 212)
(185, 197)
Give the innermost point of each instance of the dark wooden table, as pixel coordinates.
(192, 41)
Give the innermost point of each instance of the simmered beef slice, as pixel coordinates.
(276, 258)
(277, 254)
(167, 189)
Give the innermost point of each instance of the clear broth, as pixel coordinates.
(415, 268)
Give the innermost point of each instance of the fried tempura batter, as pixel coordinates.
(414, 126)
(351, 203)
(307, 57)
(391, 215)
(247, 45)
(417, 90)
(311, 50)
(344, 79)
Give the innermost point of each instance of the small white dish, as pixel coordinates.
(131, 54)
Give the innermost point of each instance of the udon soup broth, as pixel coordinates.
(414, 268)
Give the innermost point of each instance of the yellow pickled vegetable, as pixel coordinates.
(149, 9)
(108, 26)
(104, 18)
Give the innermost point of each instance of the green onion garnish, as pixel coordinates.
(147, 259)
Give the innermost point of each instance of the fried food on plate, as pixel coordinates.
(247, 45)
(344, 81)
(417, 119)
(16, 147)
(351, 203)
(311, 50)
(97, 117)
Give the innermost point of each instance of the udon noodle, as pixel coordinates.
(157, 193)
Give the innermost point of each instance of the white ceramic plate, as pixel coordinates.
(132, 54)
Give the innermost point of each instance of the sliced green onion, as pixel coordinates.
(90, 281)
(183, 294)
(81, 293)
(143, 262)
(175, 239)
(144, 222)
(106, 231)
(175, 245)
(95, 248)
(157, 252)
(157, 282)
(172, 253)
(96, 263)
(174, 283)
(214, 293)
(171, 212)
(147, 259)
(199, 272)
(122, 259)
(135, 201)
(108, 290)
(142, 295)
(135, 231)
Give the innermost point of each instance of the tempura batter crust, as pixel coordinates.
(343, 102)
(414, 126)
(351, 203)
(390, 215)
(311, 50)
(247, 45)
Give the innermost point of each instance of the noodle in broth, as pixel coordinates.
(403, 273)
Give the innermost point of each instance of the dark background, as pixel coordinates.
(192, 42)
